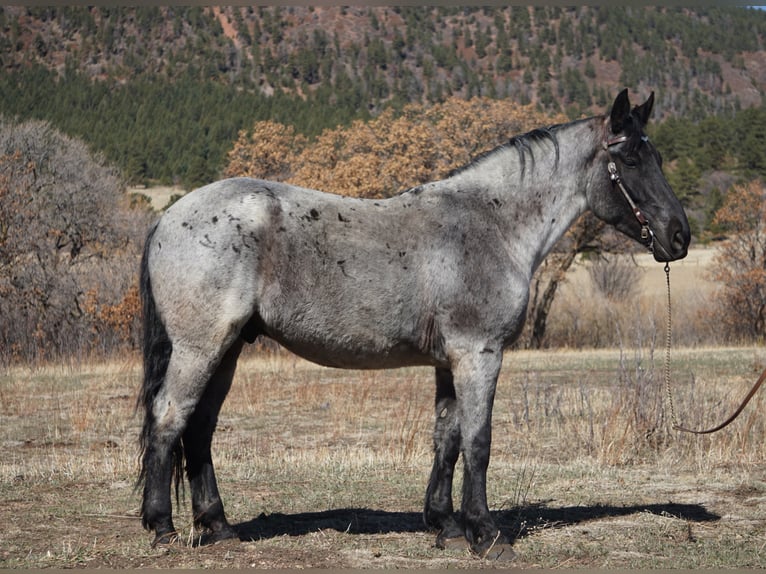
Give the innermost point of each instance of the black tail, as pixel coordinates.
(157, 349)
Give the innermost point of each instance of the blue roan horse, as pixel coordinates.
(437, 275)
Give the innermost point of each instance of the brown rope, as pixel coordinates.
(676, 426)
(728, 421)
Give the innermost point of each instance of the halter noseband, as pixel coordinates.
(647, 235)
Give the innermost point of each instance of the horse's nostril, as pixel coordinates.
(679, 241)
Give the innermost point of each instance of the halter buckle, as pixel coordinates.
(645, 232)
(613, 174)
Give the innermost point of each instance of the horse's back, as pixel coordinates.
(324, 275)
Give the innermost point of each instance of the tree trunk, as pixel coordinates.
(580, 236)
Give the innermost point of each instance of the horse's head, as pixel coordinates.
(637, 198)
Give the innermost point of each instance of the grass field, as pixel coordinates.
(327, 468)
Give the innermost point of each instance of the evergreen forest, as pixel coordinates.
(164, 92)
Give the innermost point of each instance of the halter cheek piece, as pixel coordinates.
(647, 235)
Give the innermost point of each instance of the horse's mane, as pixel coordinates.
(524, 144)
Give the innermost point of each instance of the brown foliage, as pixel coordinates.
(740, 265)
(387, 154)
(266, 152)
(114, 318)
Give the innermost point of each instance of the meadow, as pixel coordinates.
(327, 468)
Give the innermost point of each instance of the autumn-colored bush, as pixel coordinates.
(266, 152)
(739, 306)
(385, 155)
(118, 320)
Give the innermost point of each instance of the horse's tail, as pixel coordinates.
(157, 349)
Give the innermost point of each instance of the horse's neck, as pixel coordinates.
(540, 204)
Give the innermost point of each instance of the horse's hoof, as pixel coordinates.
(451, 538)
(213, 536)
(166, 539)
(453, 543)
(497, 548)
(500, 553)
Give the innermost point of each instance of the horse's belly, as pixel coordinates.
(356, 353)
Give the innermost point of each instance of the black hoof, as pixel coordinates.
(494, 548)
(451, 536)
(165, 539)
(213, 536)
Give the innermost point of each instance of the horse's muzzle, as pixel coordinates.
(673, 244)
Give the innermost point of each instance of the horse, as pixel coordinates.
(437, 275)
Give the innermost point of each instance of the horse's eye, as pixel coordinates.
(630, 162)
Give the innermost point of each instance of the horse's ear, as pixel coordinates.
(620, 111)
(645, 110)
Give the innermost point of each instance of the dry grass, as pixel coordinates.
(583, 317)
(324, 467)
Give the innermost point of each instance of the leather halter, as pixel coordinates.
(647, 235)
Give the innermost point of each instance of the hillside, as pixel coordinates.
(700, 61)
(152, 86)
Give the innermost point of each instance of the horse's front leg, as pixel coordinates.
(475, 380)
(438, 513)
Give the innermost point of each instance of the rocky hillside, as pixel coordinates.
(700, 61)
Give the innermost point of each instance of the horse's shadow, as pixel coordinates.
(515, 522)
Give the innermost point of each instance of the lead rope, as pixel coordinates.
(673, 420)
(668, 338)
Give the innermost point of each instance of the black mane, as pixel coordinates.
(524, 144)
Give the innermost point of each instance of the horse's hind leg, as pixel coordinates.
(197, 438)
(185, 381)
(438, 512)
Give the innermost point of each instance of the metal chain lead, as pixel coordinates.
(668, 337)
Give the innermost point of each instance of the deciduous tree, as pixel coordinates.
(387, 154)
(740, 265)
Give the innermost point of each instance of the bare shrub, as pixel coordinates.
(68, 245)
(616, 278)
(637, 424)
